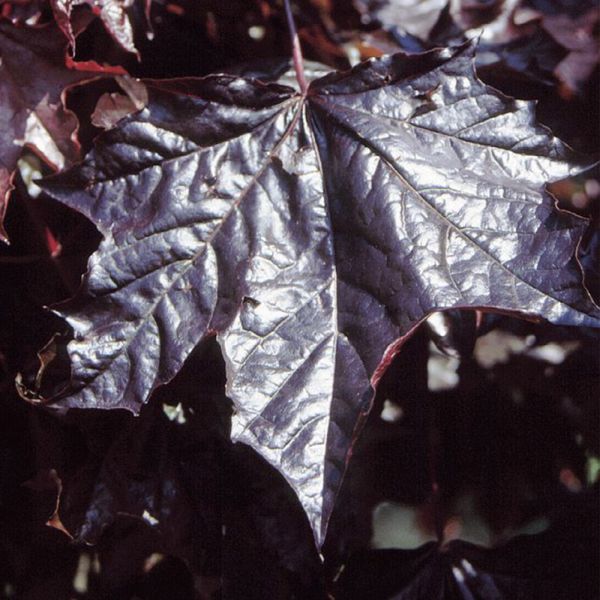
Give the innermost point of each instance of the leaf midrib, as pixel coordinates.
(192, 260)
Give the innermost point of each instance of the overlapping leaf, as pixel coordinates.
(554, 564)
(544, 40)
(416, 19)
(26, 11)
(113, 14)
(312, 233)
(33, 80)
(522, 49)
(578, 32)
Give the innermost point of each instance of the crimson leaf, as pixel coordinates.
(33, 81)
(312, 233)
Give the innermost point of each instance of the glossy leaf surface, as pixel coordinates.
(312, 234)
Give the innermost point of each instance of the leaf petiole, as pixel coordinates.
(296, 50)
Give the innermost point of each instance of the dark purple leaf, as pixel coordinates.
(557, 564)
(22, 11)
(112, 107)
(579, 34)
(590, 259)
(174, 471)
(422, 19)
(312, 234)
(33, 80)
(416, 19)
(569, 7)
(113, 14)
(522, 50)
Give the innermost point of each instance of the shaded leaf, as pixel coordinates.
(113, 14)
(556, 564)
(534, 37)
(422, 19)
(416, 19)
(590, 260)
(24, 11)
(312, 234)
(49, 480)
(45, 356)
(579, 34)
(215, 505)
(33, 81)
(112, 107)
(569, 7)
(522, 49)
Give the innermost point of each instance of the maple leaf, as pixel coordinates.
(417, 20)
(113, 14)
(505, 44)
(553, 564)
(538, 38)
(579, 34)
(27, 11)
(33, 82)
(112, 107)
(177, 477)
(312, 233)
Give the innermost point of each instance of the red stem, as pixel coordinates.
(296, 50)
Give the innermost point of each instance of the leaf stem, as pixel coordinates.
(296, 50)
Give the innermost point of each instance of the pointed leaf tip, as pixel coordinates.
(311, 234)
